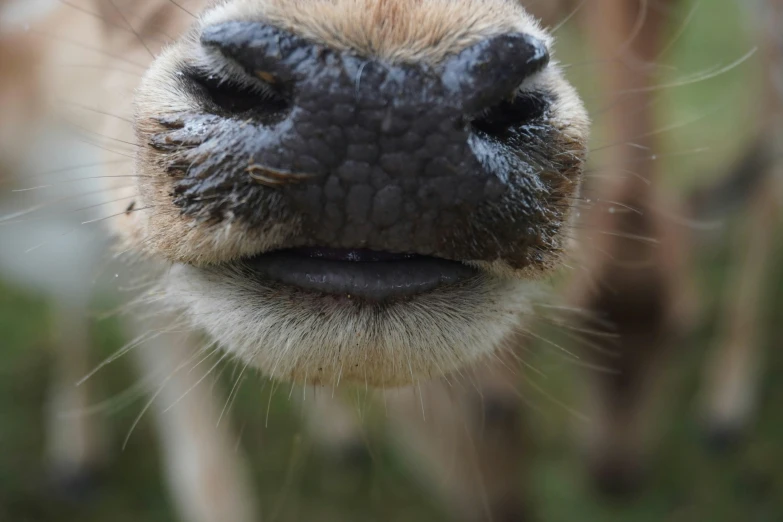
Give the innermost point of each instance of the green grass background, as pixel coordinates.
(296, 483)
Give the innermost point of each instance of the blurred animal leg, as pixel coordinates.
(207, 474)
(733, 371)
(631, 260)
(74, 437)
(466, 439)
(732, 374)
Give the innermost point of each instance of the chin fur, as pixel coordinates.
(294, 335)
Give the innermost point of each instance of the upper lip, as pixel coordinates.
(365, 274)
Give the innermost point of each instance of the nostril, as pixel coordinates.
(235, 95)
(493, 70)
(509, 115)
(260, 66)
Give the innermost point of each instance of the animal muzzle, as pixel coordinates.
(369, 154)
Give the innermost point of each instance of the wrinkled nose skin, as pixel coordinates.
(374, 155)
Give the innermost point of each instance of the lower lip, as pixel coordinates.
(369, 275)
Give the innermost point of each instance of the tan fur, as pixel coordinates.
(207, 473)
(394, 30)
(308, 340)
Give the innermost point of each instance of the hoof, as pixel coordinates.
(722, 438)
(352, 456)
(76, 485)
(619, 481)
(511, 512)
(348, 471)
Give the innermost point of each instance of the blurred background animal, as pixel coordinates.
(54, 245)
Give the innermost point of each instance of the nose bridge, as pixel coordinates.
(352, 115)
(388, 148)
(371, 106)
(391, 153)
(382, 139)
(364, 130)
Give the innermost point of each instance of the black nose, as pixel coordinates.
(371, 152)
(479, 75)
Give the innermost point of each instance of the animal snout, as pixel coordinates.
(372, 153)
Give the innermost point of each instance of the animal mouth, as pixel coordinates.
(355, 273)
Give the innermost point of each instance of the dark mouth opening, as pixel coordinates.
(356, 273)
